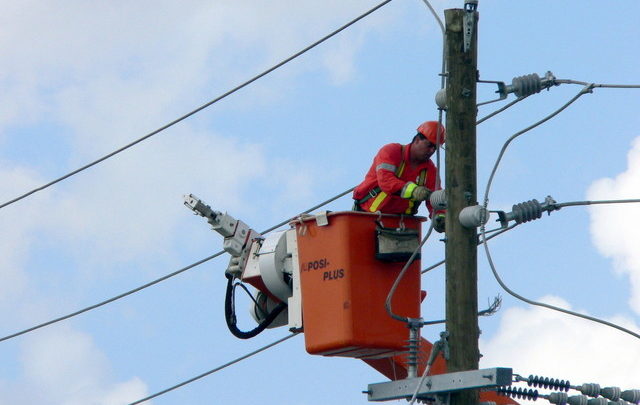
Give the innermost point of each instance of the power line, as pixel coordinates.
(597, 202)
(110, 300)
(202, 107)
(587, 89)
(441, 262)
(498, 111)
(156, 281)
(558, 82)
(157, 394)
(541, 304)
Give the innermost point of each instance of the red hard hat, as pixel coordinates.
(430, 131)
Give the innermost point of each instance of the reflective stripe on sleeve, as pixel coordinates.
(386, 166)
(407, 190)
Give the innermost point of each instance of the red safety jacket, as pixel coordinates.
(390, 181)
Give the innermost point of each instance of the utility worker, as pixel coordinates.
(402, 176)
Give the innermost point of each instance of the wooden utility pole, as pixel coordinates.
(461, 191)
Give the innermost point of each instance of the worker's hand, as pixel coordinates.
(420, 193)
(438, 223)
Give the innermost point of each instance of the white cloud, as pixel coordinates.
(63, 366)
(614, 227)
(17, 232)
(543, 342)
(107, 53)
(103, 75)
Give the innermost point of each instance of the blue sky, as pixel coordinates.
(80, 79)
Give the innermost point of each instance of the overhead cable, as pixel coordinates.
(498, 111)
(525, 86)
(182, 384)
(202, 107)
(587, 89)
(110, 300)
(435, 15)
(441, 262)
(394, 287)
(442, 86)
(599, 85)
(596, 202)
(149, 284)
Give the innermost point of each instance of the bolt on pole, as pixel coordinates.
(461, 189)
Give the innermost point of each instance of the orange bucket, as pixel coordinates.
(344, 287)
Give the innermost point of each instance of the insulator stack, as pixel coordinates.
(558, 398)
(413, 347)
(527, 211)
(438, 200)
(632, 396)
(518, 393)
(526, 85)
(612, 393)
(592, 390)
(578, 400)
(550, 383)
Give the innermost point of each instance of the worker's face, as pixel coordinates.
(422, 149)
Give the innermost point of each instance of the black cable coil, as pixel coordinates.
(518, 393)
(230, 316)
(546, 382)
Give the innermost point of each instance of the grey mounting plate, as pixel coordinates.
(440, 383)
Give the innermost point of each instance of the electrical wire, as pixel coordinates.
(110, 300)
(599, 85)
(541, 304)
(559, 81)
(263, 348)
(441, 262)
(202, 107)
(492, 309)
(435, 15)
(156, 281)
(434, 350)
(498, 111)
(577, 203)
(392, 291)
(587, 89)
(442, 86)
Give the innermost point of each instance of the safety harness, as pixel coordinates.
(380, 195)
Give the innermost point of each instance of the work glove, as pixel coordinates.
(438, 223)
(420, 193)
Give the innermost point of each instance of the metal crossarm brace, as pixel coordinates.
(440, 383)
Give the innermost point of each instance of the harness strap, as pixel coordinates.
(380, 195)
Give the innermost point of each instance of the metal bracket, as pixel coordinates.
(501, 91)
(440, 384)
(321, 218)
(468, 21)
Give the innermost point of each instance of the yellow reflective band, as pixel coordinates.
(410, 208)
(400, 169)
(423, 176)
(376, 203)
(407, 190)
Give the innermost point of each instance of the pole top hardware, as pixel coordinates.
(470, 6)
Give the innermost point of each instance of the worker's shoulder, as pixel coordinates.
(391, 148)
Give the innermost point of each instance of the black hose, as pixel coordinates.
(230, 316)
